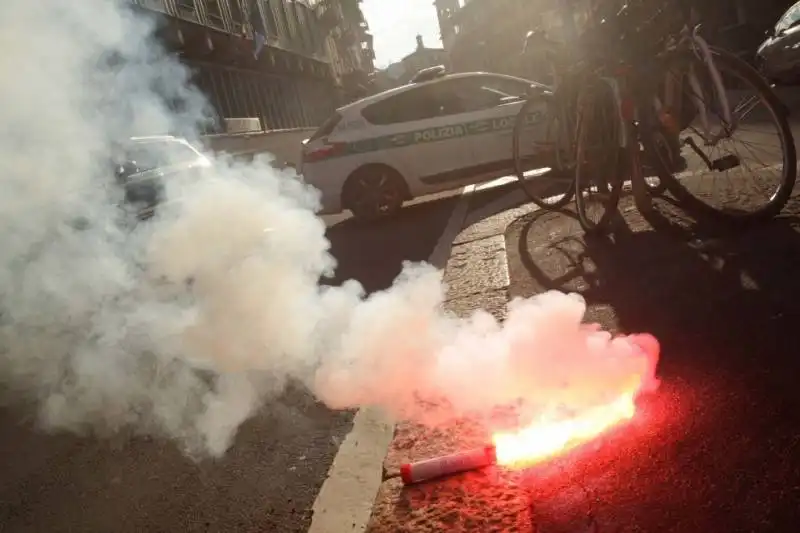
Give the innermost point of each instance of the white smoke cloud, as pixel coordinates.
(182, 327)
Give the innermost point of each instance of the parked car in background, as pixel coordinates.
(141, 164)
(778, 57)
(439, 132)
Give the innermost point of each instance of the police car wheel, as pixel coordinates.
(374, 192)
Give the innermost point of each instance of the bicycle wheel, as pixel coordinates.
(599, 157)
(551, 190)
(667, 151)
(697, 186)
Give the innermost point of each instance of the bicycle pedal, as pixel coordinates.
(725, 163)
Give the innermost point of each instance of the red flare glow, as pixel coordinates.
(541, 441)
(544, 439)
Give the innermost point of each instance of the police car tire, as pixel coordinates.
(395, 181)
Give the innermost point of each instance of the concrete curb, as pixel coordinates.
(477, 277)
(346, 499)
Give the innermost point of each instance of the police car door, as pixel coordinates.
(421, 134)
(493, 102)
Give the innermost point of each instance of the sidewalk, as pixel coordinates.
(714, 450)
(490, 501)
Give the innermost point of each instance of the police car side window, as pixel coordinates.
(484, 92)
(414, 104)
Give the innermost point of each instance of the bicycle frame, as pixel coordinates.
(692, 40)
(623, 105)
(564, 137)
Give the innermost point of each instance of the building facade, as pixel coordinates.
(489, 34)
(448, 30)
(269, 59)
(421, 58)
(401, 72)
(349, 45)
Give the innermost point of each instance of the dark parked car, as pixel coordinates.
(143, 163)
(778, 57)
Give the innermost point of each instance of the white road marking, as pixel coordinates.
(441, 252)
(344, 504)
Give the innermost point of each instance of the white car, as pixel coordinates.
(439, 132)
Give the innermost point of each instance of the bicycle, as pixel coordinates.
(587, 137)
(559, 151)
(678, 51)
(556, 146)
(708, 75)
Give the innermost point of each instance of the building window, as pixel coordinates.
(186, 9)
(221, 94)
(285, 19)
(204, 82)
(237, 16)
(214, 13)
(255, 97)
(250, 98)
(273, 103)
(304, 26)
(268, 15)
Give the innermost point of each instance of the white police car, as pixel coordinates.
(439, 132)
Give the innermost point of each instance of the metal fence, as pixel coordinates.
(279, 102)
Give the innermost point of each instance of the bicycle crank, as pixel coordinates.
(721, 164)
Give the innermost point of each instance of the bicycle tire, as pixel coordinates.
(660, 187)
(537, 195)
(597, 98)
(746, 73)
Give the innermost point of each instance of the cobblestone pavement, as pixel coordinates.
(713, 450)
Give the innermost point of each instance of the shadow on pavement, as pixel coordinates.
(374, 253)
(715, 448)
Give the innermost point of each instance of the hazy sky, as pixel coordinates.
(395, 26)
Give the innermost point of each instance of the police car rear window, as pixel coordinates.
(414, 104)
(327, 127)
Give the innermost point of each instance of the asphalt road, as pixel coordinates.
(266, 482)
(269, 479)
(374, 253)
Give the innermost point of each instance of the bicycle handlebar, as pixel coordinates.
(634, 32)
